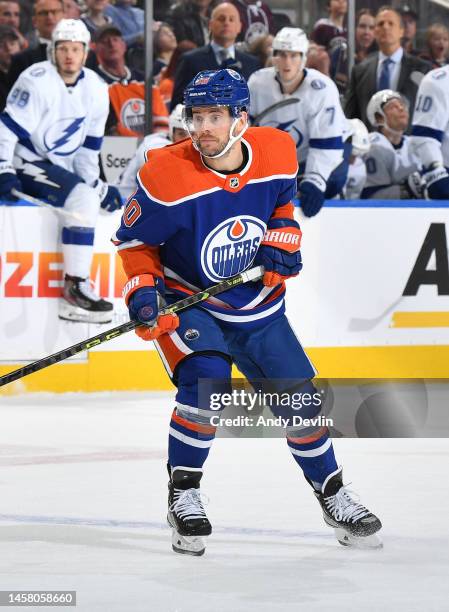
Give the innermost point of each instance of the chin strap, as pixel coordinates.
(231, 141)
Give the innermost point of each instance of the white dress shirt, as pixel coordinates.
(395, 68)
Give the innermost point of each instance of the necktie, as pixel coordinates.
(224, 56)
(384, 79)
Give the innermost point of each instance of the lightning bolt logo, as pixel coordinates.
(60, 141)
(39, 175)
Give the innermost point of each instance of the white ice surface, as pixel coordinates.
(83, 500)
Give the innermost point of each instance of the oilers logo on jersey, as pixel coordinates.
(65, 136)
(231, 246)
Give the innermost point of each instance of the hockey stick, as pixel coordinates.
(58, 211)
(274, 107)
(239, 279)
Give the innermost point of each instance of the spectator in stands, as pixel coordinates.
(129, 19)
(410, 20)
(332, 26)
(224, 27)
(256, 19)
(95, 17)
(391, 165)
(126, 87)
(389, 68)
(110, 49)
(365, 42)
(47, 13)
(190, 21)
(319, 59)
(9, 45)
(262, 48)
(164, 43)
(10, 16)
(72, 9)
(437, 43)
(167, 75)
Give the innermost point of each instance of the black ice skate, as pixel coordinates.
(80, 303)
(186, 514)
(354, 525)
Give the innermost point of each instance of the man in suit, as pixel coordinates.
(389, 68)
(224, 26)
(47, 13)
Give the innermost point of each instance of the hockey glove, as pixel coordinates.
(413, 187)
(279, 251)
(8, 180)
(311, 198)
(143, 298)
(112, 200)
(437, 182)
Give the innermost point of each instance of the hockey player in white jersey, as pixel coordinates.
(357, 170)
(176, 132)
(50, 136)
(315, 121)
(391, 165)
(430, 131)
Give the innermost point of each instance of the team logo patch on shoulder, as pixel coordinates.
(234, 182)
(191, 334)
(317, 84)
(439, 74)
(37, 72)
(231, 246)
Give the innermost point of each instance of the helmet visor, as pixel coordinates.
(207, 119)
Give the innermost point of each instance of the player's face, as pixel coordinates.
(209, 128)
(69, 58)
(364, 32)
(388, 29)
(10, 14)
(397, 115)
(288, 65)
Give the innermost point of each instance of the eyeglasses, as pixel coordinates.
(53, 12)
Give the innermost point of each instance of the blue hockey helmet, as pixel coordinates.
(224, 87)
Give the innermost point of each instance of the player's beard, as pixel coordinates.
(209, 150)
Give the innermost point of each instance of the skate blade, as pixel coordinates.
(68, 312)
(369, 542)
(187, 545)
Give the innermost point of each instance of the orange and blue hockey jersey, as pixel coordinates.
(194, 226)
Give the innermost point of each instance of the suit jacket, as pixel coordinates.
(363, 84)
(203, 58)
(23, 60)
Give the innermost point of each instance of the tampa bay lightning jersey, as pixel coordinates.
(430, 124)
(316, 122)
(45, 119)
(209, 225)
(388, 166)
